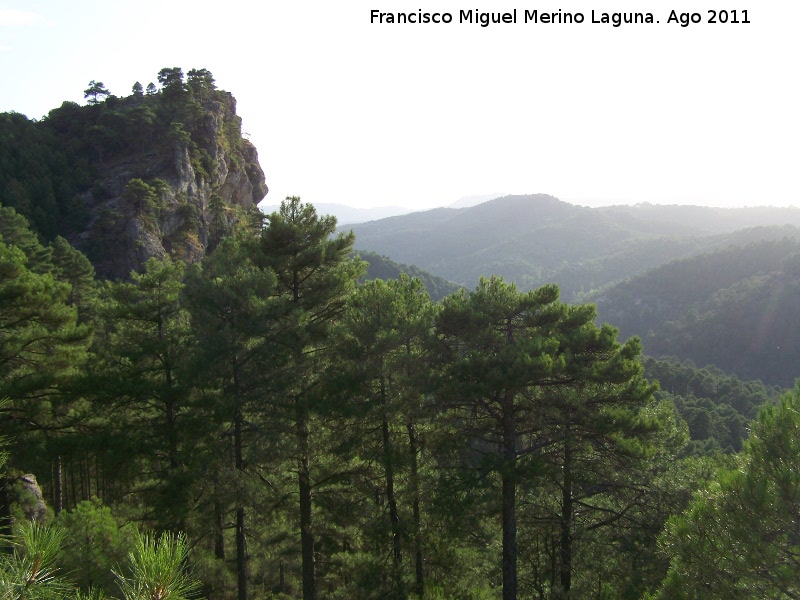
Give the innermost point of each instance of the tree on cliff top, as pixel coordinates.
(96, 92)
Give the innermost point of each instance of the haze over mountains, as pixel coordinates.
(538, 239)
(735, 307)
(707, 284)
(346, 215)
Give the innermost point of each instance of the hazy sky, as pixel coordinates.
(344, 110)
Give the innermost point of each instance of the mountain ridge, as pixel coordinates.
(734, 307)
(537, 239)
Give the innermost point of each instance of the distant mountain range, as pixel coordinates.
(538, 239)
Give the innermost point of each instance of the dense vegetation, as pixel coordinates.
(313, 436)
(254, 409)
(382, 267)
(735, 308)
(716, 406)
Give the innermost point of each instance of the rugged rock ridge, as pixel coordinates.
(166, 171)
(179, 190)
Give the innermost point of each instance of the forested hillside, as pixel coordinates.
(257, 408)
(382, 267)
(717, 407)
(735, 308)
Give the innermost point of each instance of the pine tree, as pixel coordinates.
(141, 380)
(72, 267)
(530, 379)
(236, 313)
(156, 569)
(596, 425)
(96, 92)
(30, 571)
(740, 536)
(314, 276)
(383, 330)
(42, 349)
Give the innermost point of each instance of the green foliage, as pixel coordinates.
(156, 569)
(382, 267)
(201, 82)
(15, 231)
(739, 538)
(733, 308)
(142, 197)
(382, 347)
(96, 92)
(177, 133)
(171, 79)
(93, 544)
(72, 267)
(314, 278)
(549, 402)
(30, 572)
(143, 376)
(40, 175)
(41, 342)
(717, 407)
(235, 309)
(312, 268)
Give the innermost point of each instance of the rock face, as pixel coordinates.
(197, 176)
(31, 499)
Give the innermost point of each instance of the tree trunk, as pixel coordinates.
(74, 486)
(172, 431)
(6, 524)
(84, 479)
(418, 563)
(509, 501)
(241, 548)
(219, 531)
(241, 554)
(566, 519)
(99, 487)
(306, 530)
(394, 517)
(58, 490)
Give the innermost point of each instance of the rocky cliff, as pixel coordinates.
(166, 171)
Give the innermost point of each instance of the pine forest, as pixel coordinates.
(201, 400)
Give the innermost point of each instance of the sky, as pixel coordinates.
(342, 109)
